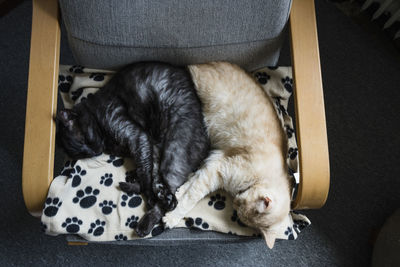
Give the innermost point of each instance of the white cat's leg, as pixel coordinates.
(202, 182)
(183, 188)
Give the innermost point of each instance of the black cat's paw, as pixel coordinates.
(170, 202)
(144, 226)
(167, 199)
(141, 231)
(144, 230)
(130, 187)
(160, 191)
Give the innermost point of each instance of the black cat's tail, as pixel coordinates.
(130, 187)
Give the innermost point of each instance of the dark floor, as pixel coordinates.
(361, 76)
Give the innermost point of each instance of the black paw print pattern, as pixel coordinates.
(288, 83)
(97, 228)
(106, 179)
(64, 83)
(293, 183)
(295, 188)
(132, 222)
(281, 109)
(299, 225)
(117, 162)
(107, 207)
(235, 218)
(98, 77)
(291, 175)
(86, 198)
(262, 77)
(218, 201)
(76, 69)
(76, 174)
(292, 153)
(132, 200)
(77, 93)
(43, 227)
(289, 131)
(196, 223)
(289, 233)
(158, 229)
(68, 167)
(51, 206)
(120, 237)
(72, 225)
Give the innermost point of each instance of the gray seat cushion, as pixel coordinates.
(177, 237)
(110, 34)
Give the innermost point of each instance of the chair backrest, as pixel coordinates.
(111, 33)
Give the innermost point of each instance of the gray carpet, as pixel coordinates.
(361, 76)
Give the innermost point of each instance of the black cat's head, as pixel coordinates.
(79, 134)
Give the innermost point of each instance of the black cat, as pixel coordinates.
(149, 111)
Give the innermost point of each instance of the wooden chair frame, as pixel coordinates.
(38, 160)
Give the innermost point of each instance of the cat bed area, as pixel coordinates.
(84, 201)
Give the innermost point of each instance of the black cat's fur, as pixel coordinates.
(148, 111)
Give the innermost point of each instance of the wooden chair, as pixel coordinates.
(39, 146)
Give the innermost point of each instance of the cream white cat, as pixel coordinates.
(249, 148)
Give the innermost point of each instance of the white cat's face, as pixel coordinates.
(264, 209)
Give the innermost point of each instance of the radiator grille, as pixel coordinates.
(386, 13)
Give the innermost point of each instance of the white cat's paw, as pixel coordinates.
(181, 191)
(170, 220)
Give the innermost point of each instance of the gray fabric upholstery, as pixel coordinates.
(110, 34)
(178, 236)
(249, 55)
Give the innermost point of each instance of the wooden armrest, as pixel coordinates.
(309, 105)
(38, 161)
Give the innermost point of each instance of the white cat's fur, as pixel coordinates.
(249, 152)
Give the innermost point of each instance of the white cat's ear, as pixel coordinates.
(269, 237)
(263, 204)
(267, 201)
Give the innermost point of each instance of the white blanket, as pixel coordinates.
(85, 199)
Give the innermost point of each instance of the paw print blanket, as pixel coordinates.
(85, 198)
